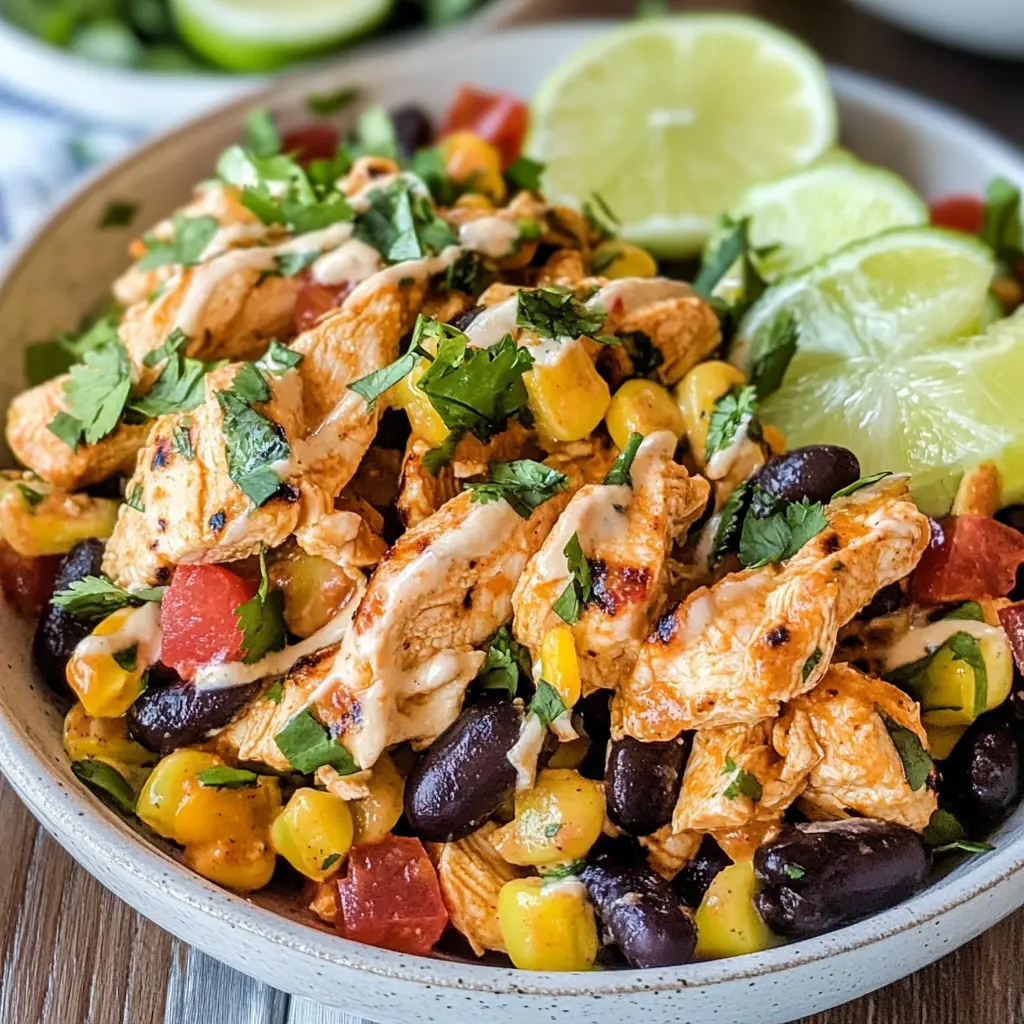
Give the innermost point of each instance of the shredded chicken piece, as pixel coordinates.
(471, 875)
(626, 534)
(564, 268)
(350, 536)
(733, 652)
(668, 852)
(860, 772)
(345, 787)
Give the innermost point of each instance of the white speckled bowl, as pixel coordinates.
(69, 265)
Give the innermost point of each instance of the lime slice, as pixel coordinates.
(260, 35)
(671, 120)
(885, 364)
(814, 212)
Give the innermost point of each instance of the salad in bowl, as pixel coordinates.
(505, 555)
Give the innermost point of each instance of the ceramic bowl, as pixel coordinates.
(69, 265)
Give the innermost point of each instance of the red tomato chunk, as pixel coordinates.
(313, 142)
(960, 213)
(198, 619)
(969, 558)
(1012, 621)
(26, 582)
(496, 117)
(390, 897)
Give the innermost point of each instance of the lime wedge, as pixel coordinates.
(671, 120)
(260, 35)
(798, 219)
(886, 364)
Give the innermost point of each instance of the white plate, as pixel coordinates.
(69, 265)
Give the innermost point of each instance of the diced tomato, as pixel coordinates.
(312, 142)
(1012, 621)
(390, 897)
(969, 558)
(499, 118)
(961, 213)
(26, 582)
(316, 299)
(198, 621)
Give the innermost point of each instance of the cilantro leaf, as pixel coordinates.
(192, 236)
(794, 871)
(811, 664)
(220, 776)
(180, 386)
(524, 484)
(599, 216)
(917, 765)
(507, 662)
(716, 261)
(307, 745)
(476, 389)
(773, 356)
(729, 521)
(32, 497)
(864, 481)
(250, 385)
(260, 135)
(618, 475)
(298, 208)
(291, 263)
(128, 659)
(106, 782)
(45, 360)
(279, 359)
(571, 602)
(467, 274)
(261, 620)
(133, 499)
(731, 411)
(604, 258)
(253, 444)
(547, 704)
(402, 224)
(67, 428)
(556, 873)
(525, 173)
(96, 392)
(95, 597)
(118, 214)
(329, 861)
(781, 534)
(181, 439)
(1001, 228)
(554, 312)
(437, 458)
(428, 165)
(943, 828)
(374, 384)
(969, 610)
(963, 846)
(375, 134)
(742, 784)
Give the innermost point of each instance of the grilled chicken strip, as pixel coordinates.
(731, 653)
(626, 533)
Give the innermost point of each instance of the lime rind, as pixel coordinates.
(670, 120)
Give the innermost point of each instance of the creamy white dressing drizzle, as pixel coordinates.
(525, 752)
(141, 629)
(922, 641)
(491, 325)
(724, 459)
(626, 295)
(492, 236)
(352, 262)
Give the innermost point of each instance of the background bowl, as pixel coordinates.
(69, 266)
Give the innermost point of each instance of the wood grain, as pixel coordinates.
(71, 953)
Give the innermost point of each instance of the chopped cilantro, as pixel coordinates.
(329, 861)
(253, 444)
(133, 499)
(307, 745)
(553, 312)
(181, 439)
(525, 174)
(731, 411)
(781, 534)
(279, 359)
(375, 134)
(250, 385)
(864, 481)
(599, 216)
(507, 662)
(645, 355)
(95, 597)
(374, 384)
(969, 610)
(402, 224)
(964, 846)
(106, 782)
(128, 659)
(773, 356)
(180, 386)
(547, 704)
(524, 484)
(571, 602)
(118, 214)
(618, 475)
(260, 135)
(192, 236)
(1001, 228)
(437, 458)
(917, 765)
(428, 165)
(794, 871)
(604, 259)
(560, 871)
(811, 664)
(943, 828)
(96, 392)
(552, 830)
(274, 692)
(220, 776)
(261, 620)
(729, 522)
(32, 497)
(742, 784)
(467, 274)
(45, 360)
(291, 263)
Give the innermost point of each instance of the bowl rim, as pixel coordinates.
(78, 820)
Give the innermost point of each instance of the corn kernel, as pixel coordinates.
(942, 739)
(568, 398)
(106, 739)
(108, 677)
(313, 833)
(728, 923)
(547, 926)
(470, 160)
(949, 695)
(774, 438)
(423, 417)
(620, 259)
(475, 201)
(558, 820)
(377, 813)
(245, 865)
(165, 788)
(560, 665)
(641, 406)
(696, 395)
(210, 813)
(54, 525)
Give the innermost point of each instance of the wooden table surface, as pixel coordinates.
(72, 953)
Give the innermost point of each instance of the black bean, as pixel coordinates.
(888, 600)
(815, 473)
(464, 776)
(58, 632)
(642, 783)
(820, 876)
(596, 714)
(165, 718)
(413, 129)
(1012, 515)
(466, 317)
(638, 908)
(982, 779)
(693, 881)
